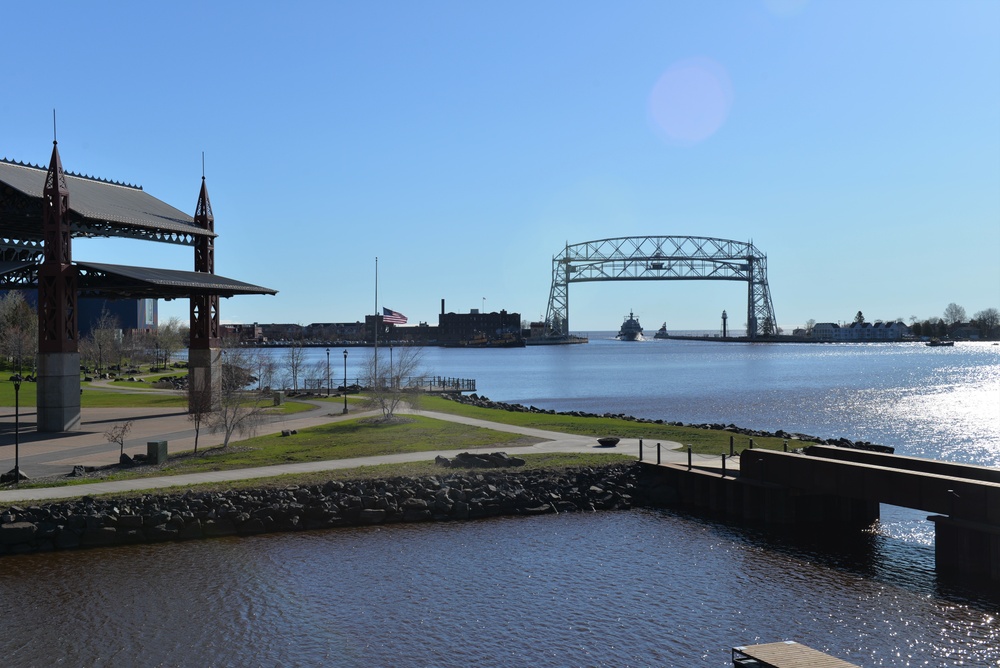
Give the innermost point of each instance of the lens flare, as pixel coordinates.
(690, 101)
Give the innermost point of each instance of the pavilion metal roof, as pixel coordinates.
(97, 208)
(115, 281)
(146, 282)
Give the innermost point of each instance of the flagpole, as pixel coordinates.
(375, 379)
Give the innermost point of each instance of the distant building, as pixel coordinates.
(826, 331)
(243, 333)
(457, 328)
(860, 331)
(964, 331)
(131, 314)
(317, 333)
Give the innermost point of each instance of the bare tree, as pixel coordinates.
(295, 359)
(169, 339)
(265, 369)
(393, 378)
(18, 330)
(103, 344)
(988, 321)
(118, 433)
(199, 411)
(238, 409)
(954, 314)
(135, 343)
(318, 371)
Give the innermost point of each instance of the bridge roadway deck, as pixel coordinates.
(56, 454)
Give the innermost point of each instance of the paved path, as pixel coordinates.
(45, 454)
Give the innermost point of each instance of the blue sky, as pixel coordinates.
(857, 144)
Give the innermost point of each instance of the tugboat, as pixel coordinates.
(631, 329)
(934, 343)
(661, 333)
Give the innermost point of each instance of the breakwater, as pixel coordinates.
(465, 495)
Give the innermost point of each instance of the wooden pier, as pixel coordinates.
(788, 654)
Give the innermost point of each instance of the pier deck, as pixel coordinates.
(788, 654)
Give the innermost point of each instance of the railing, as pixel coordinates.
(418, 383)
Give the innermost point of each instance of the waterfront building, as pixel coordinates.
(860, 331)
(458, 328)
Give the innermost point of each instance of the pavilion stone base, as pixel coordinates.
(58, 392)
(204, 378)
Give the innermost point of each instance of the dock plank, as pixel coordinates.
(789, 654)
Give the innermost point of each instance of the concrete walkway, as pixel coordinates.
(45, 454)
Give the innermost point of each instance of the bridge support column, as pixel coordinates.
(970, 550)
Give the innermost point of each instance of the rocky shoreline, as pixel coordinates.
(465, 495)
(482, 402)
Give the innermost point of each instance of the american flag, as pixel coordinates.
(393, 317)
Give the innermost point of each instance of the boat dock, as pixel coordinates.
(788, 654)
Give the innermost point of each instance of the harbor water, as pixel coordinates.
(633, 588)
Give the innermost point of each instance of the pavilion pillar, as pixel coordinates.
(58, 389)
(205, 352)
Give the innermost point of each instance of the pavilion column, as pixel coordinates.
(58, 390)
(204, 353)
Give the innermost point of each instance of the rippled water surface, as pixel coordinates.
(637, 588)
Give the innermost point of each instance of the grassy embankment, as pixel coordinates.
(356, 438)
(702, 441)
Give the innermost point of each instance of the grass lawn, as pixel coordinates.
(341, 440)
(702, 441)
(350, 438)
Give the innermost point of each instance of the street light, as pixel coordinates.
(328, 372)
(17, 429)
(345, 380)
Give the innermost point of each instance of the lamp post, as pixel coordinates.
(328, 372)
(17, 429)
(345, 380)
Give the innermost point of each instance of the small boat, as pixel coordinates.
(934, 343)
(631, 330)
(661, 333)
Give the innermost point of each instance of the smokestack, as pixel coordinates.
(442, 306)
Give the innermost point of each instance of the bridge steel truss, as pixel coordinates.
(670, 258)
